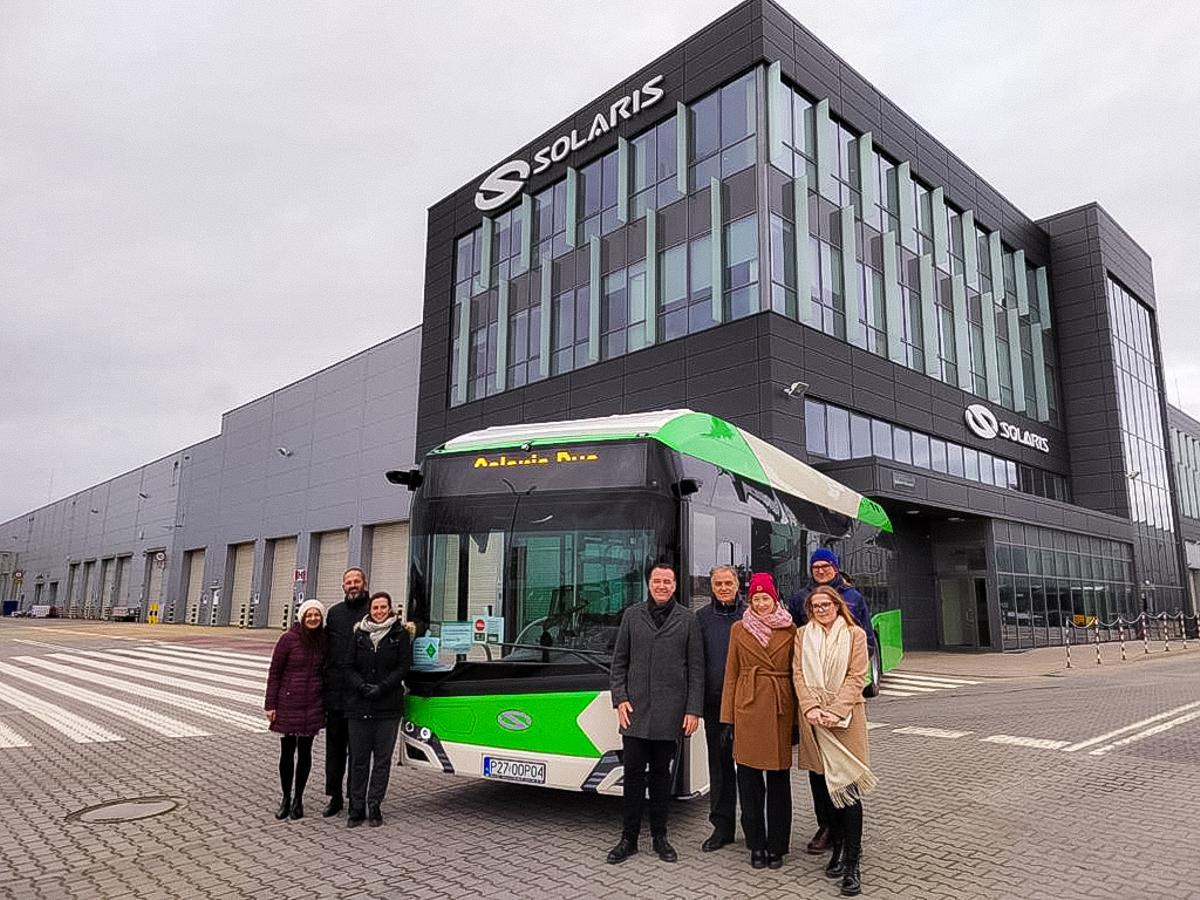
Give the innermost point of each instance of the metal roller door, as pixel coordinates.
(88, 588)
(73, 586)
(124, 570)
(154, 582)
(331, 563)
(283, 569)
(108, 581)
(389, 561)
(195, 586)
(243, 575)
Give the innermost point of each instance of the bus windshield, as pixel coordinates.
(559, 568)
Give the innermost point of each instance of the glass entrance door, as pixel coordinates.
(962, 612)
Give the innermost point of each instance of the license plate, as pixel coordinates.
(518, 770)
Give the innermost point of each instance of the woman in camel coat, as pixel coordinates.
(830, 668)
(758, 707)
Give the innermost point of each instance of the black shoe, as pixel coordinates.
(333, 807)
(837, 862)
(715, 841)
(758, 859)
(374, 816)
(285, 807)
(821, 841)
(624, 849)
(664, 849)
(297, 809)
(851, 882)
(774, 860)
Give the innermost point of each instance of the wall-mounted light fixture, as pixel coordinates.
(796, 388)
(283, 451)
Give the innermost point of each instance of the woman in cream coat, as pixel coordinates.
(829, 669)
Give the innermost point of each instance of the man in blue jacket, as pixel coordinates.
(825, 569)
(715, 621)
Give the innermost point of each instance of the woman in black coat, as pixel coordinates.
(293, 702)
(379, 660)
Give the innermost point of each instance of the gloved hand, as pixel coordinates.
(370, 691)
(726, 735)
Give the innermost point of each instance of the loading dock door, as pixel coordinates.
(88, 589)
(283, 568)
(108, 580)
(121, 591)
(195, 585)
(154, 581)
(243, 575)
(389, 561)
(331, 562)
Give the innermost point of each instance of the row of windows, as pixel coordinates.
(722, 140)
(1186, 452)
(836, 433)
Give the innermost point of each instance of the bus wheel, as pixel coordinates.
(872, 689)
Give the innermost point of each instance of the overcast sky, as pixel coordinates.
(203, 201)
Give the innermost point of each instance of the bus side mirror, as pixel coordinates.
(685, 487)
(410, 478)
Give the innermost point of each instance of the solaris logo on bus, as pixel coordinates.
(514, 720)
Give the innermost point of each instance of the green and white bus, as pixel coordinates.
(535, 538)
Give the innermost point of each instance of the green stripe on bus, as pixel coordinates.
(715, 441)
(536, 723)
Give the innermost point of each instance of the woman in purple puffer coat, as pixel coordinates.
(293, 705)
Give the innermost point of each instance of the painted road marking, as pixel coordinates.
(77, 728)
(242, 720)
(936, 679)
(218, 656)
(1136, 725)
(1149, 732)
(248, 683)
(192, 662)
(885, 692)
(931, 732)
(873, 725)
(1036, 743)
(156, 722)
(9, 738)
(129, 670)
(915, 688)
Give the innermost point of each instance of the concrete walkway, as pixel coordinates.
(1043, 661)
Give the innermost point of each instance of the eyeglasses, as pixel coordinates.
(822, 566)
(821, 607)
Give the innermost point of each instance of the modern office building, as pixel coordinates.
(747, 227)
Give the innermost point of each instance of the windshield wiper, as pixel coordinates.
(588, 656)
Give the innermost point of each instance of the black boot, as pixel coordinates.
(820, 841)
(664, 849)
(374, 816)
(625, 848)
(333, 807)
(298, 807)
(851, 882)
(837, 862)
(285, 807)
(758, 859)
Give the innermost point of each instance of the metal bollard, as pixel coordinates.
(1145, 634)
(1096, 628)
(1166, 634)
(1183, 630)
(1067, 635)
(1121, 635)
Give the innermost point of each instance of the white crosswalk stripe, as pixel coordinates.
(907, 684)
(75, 728)
(9, 738)
(131, 670)
(201, 664)
(243, 721)
(156, 722)
(256, 684)
(238, 660)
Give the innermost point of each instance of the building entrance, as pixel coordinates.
(963, 612)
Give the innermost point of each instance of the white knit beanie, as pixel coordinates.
(311, 603)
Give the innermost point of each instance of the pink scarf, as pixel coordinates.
(761, 626)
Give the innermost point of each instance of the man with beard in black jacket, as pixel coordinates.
(339, 642)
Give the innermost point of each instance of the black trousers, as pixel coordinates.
(768, 790)
(639, 754)
(337, 745)
(722, 779)
(844, 824)
(372, 742)
(295, 762)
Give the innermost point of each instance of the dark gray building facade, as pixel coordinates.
(747, 227)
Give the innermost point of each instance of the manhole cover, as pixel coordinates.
(129, 810)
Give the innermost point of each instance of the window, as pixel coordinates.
(654, 163)
(722, 131)
(814, 427)
(741, 267)
(598, 188)
(550, 223)
(783, 267)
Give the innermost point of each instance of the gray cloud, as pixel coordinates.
(202, 202)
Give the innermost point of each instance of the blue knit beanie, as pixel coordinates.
(824, 554)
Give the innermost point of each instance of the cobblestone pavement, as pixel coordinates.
(983, 793)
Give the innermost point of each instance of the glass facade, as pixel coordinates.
(1048, 579)
(835, 433)
(888, 263)
(1144, 442)
(1185, 450)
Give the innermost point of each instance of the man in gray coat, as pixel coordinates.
(658, 693)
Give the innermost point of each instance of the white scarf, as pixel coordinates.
(824, 661)
(375, 630)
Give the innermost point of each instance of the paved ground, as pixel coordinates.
(996, 782)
